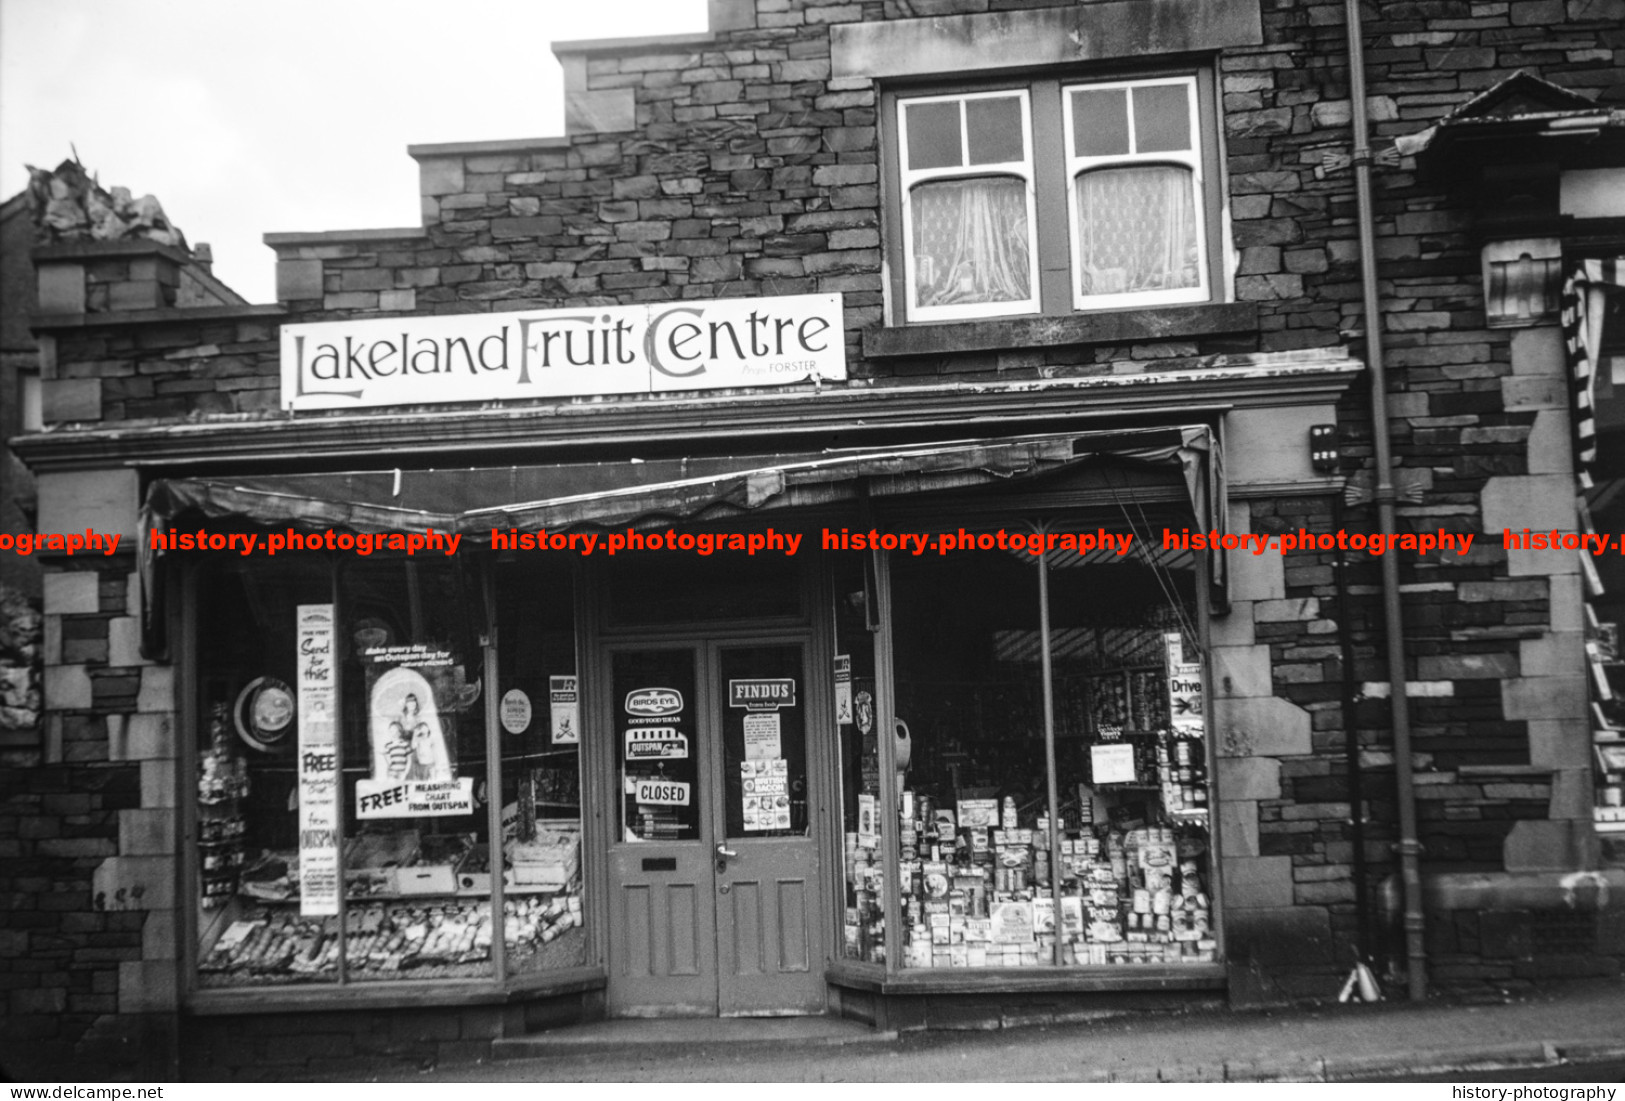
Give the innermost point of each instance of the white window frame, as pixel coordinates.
(910, 179)
(30, 401)
(1190, 159)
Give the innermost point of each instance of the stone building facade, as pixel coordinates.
(752, 161)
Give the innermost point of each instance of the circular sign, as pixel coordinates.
(263, 713)
(515, 711)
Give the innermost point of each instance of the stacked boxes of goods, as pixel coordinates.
(981, 895)
(544, 892)
(865, 915)
(552, 860)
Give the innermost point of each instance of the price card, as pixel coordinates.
(1113, 763)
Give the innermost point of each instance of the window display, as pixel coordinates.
(347, 744)
(987, 878)
(255, 755)
(540, 740)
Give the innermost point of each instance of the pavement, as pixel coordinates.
(1564, 1026)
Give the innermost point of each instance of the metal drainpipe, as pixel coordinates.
(1399, 704)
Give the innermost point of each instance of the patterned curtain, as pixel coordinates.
(971, 242)
(1137, 229)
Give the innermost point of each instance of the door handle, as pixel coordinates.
(724, 851)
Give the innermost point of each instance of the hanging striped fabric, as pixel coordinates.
(1580, 339)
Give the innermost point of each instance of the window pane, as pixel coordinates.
(414, 772)
(1131, 757)
(764, 751)
(253, 926)
(658, 747)
(1100, 122)
(971, 242)
(865, 927)
(1137, 229)
(973, 863)
(933, 135)
(540, 718)
(994, 130)
(1162, 118)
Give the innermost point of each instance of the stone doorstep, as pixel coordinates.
(733, 1033)
(616, 1037)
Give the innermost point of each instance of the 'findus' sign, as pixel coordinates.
(700, 345)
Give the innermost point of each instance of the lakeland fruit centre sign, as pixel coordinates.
(591, 350)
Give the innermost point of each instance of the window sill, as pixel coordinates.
(395, 994)
(1050, 980)
(1110, 327)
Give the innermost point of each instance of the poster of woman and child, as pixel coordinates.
(412, 735)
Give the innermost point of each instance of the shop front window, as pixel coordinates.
(539, 715)
(1131, 761)
(414, 772)
(991, 872)
(345, 775)
(251, 927)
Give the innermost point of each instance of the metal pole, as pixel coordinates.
(1399, 705)
(495, 861)
(1049, 754)
(1351, 749)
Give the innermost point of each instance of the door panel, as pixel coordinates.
(682, 924)
(768, 935)
(744, 928)
(795, 903)
(662, 904)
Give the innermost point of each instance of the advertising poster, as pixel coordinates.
(766, 792)
(1184, 689)
(656, 743)
(318, 763)
(868, 821)
(412, 695)
(659, 776)
(978, 813)
(515, 711)
(1012, 922)
(565, 702)
(843, 689)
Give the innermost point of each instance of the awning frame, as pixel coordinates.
(359, 502)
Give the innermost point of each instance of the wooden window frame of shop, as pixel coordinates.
(501, 988)
(891, 977)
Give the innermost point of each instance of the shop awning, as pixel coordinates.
(663, 492)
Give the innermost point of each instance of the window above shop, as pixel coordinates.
(1053, 197)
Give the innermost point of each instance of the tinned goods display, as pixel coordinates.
(977, 890)
(222, 784)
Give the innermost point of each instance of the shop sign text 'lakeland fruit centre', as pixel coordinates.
(698, 345)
